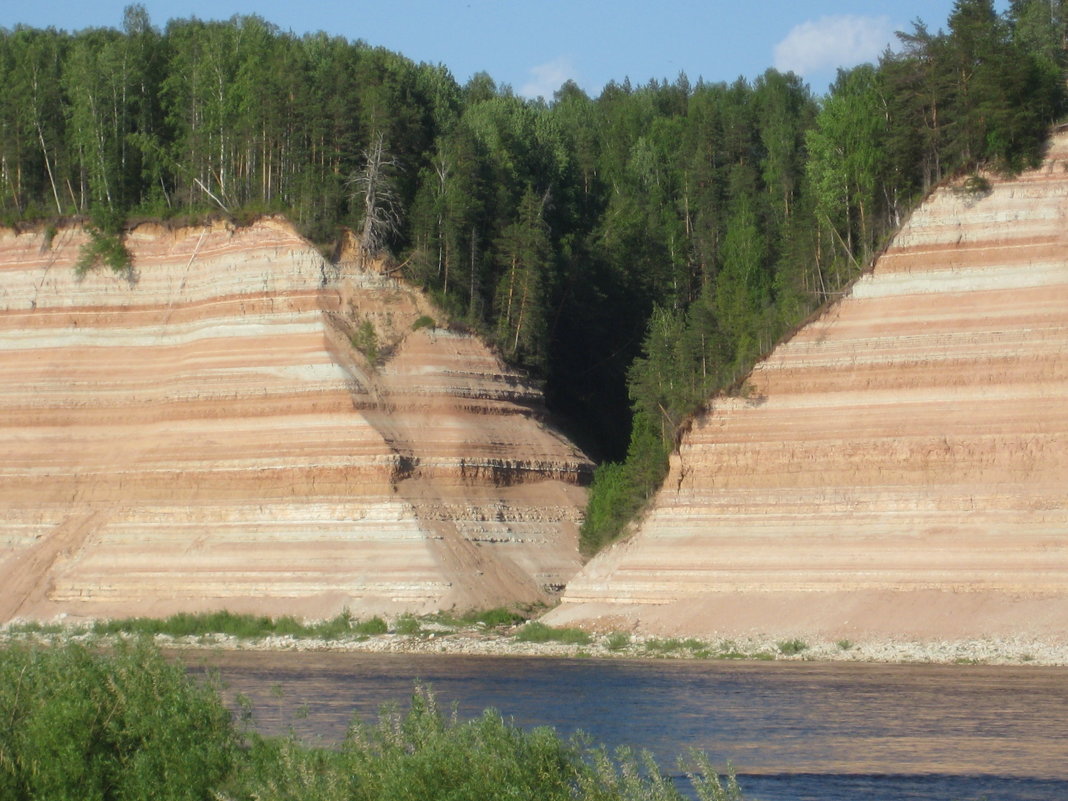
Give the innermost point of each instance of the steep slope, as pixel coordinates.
(202, 435)
(899, 467)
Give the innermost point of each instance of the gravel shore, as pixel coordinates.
(503, 642)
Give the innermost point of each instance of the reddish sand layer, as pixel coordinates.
(898, 467)
(201, 434)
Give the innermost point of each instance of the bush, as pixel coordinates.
(975, 184)
(375, 625)
(617, 641)
(539, 632)
(105, 245)
(424, 321)
(620, 491)
(792, 647)
(365, 340)
(122, 725)
(407, 624)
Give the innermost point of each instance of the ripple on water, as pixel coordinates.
(793, 730)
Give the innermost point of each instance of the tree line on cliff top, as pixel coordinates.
(637, 250)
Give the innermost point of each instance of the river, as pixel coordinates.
(797, 731)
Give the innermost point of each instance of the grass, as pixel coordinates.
(246, 627)
(792, 647)
(253, 627)
(495, 618)
(674, 645)
(375, 625)
(617, 641)
(408, 625)
(539, 632)
(36, 627)
(502, 621)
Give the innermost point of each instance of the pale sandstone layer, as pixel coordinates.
(202, 434)
(897, 468)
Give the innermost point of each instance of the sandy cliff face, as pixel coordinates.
(205, 436)
(900, 466)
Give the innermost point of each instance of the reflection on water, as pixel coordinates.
(792, 730)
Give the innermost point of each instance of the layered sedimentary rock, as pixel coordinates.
(898, 466)
(201, 433)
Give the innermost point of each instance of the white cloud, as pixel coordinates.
(546, 78)
(831, 42)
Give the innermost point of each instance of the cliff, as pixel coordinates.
(899, 467)
(203, 434)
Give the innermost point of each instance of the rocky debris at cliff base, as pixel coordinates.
(610, 645)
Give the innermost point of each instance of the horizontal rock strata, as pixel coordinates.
(900, 465)
(202, 434)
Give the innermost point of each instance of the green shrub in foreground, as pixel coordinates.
(78, 725)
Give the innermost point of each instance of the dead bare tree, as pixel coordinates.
(375, 185)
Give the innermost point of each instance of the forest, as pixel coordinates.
(635, 251)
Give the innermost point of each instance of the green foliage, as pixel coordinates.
(672, 645)
(424, 321)
(539, 632)
(617, 641)
(36, 627)
(708, 785)
(365, 340)
(80, 724)
(611, 506)
(975, 185)
(495, 618)
(792, 647)
(374, 625)
(243, 626)
(620, 491)
(498, 617)
(407, 624)
(105, 245)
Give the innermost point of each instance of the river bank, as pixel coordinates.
(432, 638)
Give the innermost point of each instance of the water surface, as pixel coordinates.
(792, 730)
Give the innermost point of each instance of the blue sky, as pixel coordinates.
(535, 45)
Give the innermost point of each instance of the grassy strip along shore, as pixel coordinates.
(511, 632)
